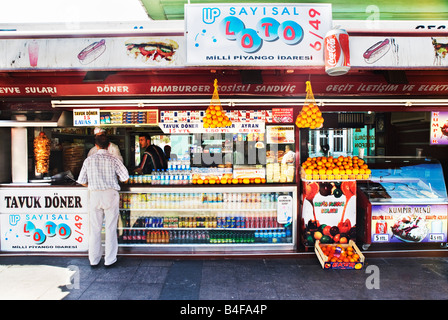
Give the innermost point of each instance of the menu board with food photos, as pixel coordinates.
(280, 134)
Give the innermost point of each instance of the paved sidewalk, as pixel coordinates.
(71, 278)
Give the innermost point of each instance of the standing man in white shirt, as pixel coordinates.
(112, 148)
(100, 174)
(289, 155)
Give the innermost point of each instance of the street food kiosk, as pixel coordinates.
(226, 189)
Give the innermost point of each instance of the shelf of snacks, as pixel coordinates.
(335, 168)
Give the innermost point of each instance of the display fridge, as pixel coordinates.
(220, 219)
(403, 203)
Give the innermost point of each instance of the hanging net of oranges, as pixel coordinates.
(310, 116)
(215, 116)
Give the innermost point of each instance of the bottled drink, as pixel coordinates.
(163, 179)
(249, 223)
(125, 236)
(283, 235)
(142, 236)
(270, 236)
(288, 235)
(156, 177)
(133, 236)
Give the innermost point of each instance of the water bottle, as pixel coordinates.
(163, 177)
(167, 177)
(157, 176)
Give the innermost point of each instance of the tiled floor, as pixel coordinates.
(227, 279)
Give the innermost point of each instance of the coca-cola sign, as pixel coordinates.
(337, 52)
(332, 58)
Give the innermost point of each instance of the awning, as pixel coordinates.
(342, 9)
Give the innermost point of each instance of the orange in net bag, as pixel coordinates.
(310, 116)
(215, 116)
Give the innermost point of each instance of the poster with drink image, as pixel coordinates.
(409, 223)
(328, 211)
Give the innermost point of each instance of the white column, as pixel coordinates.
(19, 154)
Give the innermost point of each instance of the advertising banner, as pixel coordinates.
(34, 219)
(397, 52)
(371, 85)
(240, 35)
(439, 128)
(329, 211)
(409, 223)
(90, 53)
(256, 34)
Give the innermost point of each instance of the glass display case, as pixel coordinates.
(201, 219)
(405, 201)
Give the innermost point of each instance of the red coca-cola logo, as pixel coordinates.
(332, 51)
(381, 227)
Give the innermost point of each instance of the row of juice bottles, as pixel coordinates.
(134, 236)
(197, 200)
(267, 219)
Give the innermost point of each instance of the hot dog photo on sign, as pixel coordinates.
(92, 52)
(399, 51)
(380, 49)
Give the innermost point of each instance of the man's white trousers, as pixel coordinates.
(103, 203)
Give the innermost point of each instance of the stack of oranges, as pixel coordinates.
(215, 116)
(310, 117)
(337, 253)
(328, 168)
(225, 179)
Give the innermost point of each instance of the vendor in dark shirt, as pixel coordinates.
(152, 157)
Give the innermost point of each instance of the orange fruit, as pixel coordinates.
(317, 235)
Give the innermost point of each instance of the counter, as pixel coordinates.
(49, 218)
(38, 218)
(218, 219)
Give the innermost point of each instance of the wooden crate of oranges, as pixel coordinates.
(339, 256)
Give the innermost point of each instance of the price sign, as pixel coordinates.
(381, 238)
(86, 117)
(437, 237)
